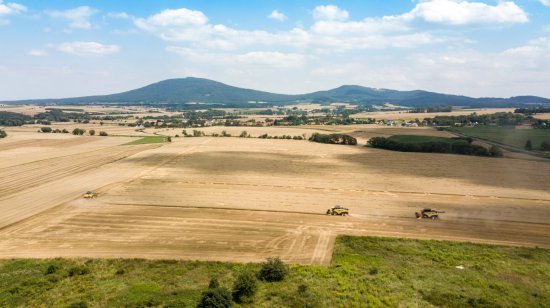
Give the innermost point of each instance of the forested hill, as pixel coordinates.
(198, 90)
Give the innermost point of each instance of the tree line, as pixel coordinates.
(462, 147)
(333, 139)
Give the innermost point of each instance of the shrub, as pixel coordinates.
(545, 146)
(528, 145)
(244, 134)
(91, 132)
(51, 269)
(79, 270)
(3, 134)
(244, 287)
(46, 129)
(273, 270)
(215, 298)
(264, 136)
(65, 131)
(103, 134)
(78, 131)
(169, 139)
(225, 134)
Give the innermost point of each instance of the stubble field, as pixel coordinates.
(245, 199)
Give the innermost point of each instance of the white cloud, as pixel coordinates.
(119, 15)
(10, 8)
(329, 34)
(79, 17)
(276, 15)
(330, 12)
(459, 12)
(88, 48)
(37, 53)
(173, 18)
(545, 2)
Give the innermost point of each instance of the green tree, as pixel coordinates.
(244, 287)
(216, 296)
(528, 145)
(273, 270)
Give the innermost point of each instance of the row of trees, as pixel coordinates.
(431, 109)
(333, 139)
(499, 118)
(244, 286)
(533, 110)
(266, 136)
(458, 147)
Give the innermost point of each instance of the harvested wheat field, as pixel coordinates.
(245, 199)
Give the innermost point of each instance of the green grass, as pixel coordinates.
(366, 271)
(505, 135)
(148, 140)
(418, 139)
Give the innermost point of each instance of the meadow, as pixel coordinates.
(365, 271)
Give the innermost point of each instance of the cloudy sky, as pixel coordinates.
(72, 48)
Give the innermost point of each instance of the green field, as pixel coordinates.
(148, 140)
(366, 271)
(418, 139)
(504, 135)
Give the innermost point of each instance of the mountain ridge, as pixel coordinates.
(199, 90)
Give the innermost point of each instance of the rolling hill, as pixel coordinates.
(198, 90)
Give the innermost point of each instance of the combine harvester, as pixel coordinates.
(428, 214)
(338, 210)
(90, 195)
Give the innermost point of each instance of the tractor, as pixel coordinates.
(338, 210)
(428, 214)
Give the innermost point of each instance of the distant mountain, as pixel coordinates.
(197, 90)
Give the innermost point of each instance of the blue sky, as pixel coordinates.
(72, 48)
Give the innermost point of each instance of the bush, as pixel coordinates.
(91, 132)
(79, 270)
(169, 139)
(545, 146)
(78, 131)
(103, 134)
(215, 296)
(244, 134)
(264, 136)
(51, 269)
(65, 131)
(3, 134)
(46, 129)
(528, 145)
(244, 287)
(273, 270)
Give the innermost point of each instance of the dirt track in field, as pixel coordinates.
(244, 200)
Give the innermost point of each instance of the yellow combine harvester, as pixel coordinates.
(338, 210)
(428, 214)
(90, 195)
